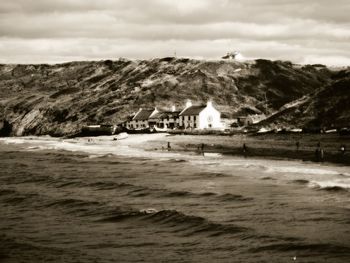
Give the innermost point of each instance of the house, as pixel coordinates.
(141, 119)
(191, 117)
(169, 119)
(200, 117)
(226, 120)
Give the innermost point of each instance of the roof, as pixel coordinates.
(192, 110)
(165, 114)
(171, 113)
(225, 115)
(143, 114)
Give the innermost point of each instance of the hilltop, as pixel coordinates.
(58, 99)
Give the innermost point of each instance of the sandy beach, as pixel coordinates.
(276, 146)
(271, 146)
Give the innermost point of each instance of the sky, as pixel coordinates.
(52, 31)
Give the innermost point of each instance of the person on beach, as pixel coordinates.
(319, 153)
(244, 149)
(169, 147)
(342, 149)
(297, 144)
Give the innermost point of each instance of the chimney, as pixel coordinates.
(209, 103)
(173, 108)
(188, 103)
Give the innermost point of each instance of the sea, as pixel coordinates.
(82, 200)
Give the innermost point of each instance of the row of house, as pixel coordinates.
(191, 117)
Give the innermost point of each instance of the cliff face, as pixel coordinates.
(327, 107)
(59, 99)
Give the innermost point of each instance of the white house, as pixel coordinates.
(200, 117)
(191, 117)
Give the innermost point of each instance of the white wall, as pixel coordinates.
(209, 117)
(137, 124)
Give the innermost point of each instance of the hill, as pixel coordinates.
(59, 99)
(326, 108)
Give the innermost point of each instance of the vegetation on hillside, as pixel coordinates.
(59, 99)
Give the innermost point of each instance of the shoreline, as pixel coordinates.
(261, 147)
(266, 147)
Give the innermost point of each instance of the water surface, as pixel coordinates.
(80, 201)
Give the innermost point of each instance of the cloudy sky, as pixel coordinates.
(303, 31)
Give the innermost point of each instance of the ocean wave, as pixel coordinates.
(267, 178)
(325, 249)
(301, 181)
(207, 194)
(301, 170)
(332, 186)
(70, 184)
(178, 194)
(176, 160)
(193, 225)
(7, 192)
(23, 250)
(107, 185)
(176, 221)
(233, 197)
(71, 203)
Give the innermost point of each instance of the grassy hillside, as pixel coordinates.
(325, 108)
(59, 99)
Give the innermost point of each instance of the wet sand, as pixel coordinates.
(273, 146)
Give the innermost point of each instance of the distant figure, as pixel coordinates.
(319, 153)
(297, 144)
(169, 147)
(244, 149)
(342, 149)
(202, 147)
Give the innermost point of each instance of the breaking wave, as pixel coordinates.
(331, 186)
(180, 222)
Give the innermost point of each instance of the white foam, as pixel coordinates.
(301, 170)
(214, 155)
(329, 184)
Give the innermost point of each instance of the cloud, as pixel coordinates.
(289, 29)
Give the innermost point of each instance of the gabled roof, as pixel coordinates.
(156, 115)
(192, 110)
(165, 114)
(143, 114)
(171, 114)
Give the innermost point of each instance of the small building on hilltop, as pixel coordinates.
(200, 117)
